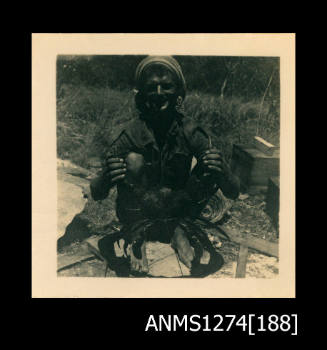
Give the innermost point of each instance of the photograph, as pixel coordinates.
(167, 165)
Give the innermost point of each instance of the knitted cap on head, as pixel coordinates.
(167, 61)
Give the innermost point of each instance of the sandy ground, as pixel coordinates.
(73, 182)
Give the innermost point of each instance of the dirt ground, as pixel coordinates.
(247, 216)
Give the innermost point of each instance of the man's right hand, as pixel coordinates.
(115, 169)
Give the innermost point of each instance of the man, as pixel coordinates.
(159, 197)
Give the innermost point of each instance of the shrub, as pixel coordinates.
(231, 120)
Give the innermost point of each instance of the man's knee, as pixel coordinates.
(135, 166)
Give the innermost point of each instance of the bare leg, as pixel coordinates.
(184, 249)
(181, 243)
(139, 264)
(205, 257)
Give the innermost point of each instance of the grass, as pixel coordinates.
(86, 116)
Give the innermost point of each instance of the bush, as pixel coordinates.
(232, 121)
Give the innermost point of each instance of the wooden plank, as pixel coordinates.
(272, 200)
(241, 261)
(264, 146)
(92, 244)
(259, 244)
(68, 261)
(254, 153)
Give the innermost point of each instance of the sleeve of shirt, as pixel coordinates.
(198, 138)
(200, 141)
(119, 148)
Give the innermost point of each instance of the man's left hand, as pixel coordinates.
(213, 162)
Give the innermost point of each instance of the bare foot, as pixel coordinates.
(181, 243)
(205, 258)
(139, 261)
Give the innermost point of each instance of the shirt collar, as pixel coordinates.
(145, 135)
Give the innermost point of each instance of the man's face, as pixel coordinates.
(160, 89)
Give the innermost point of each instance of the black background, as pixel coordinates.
(111, 320)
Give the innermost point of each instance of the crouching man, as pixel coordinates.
(159, 197)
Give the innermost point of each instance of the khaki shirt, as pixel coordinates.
(170, 165)
(167, 166)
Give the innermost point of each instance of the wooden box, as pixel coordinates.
(272, 200)
(253, 167)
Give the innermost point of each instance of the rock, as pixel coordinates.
(80, 217)
(70, 203)
(163, 261)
